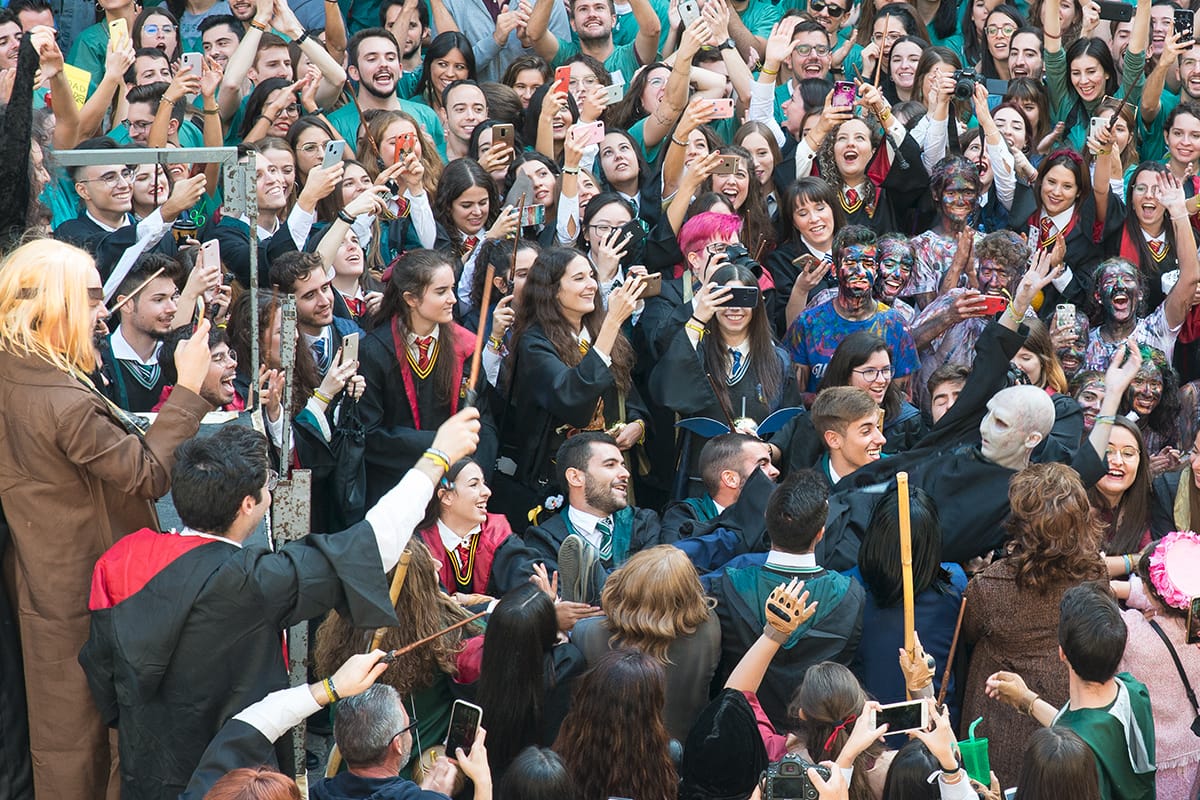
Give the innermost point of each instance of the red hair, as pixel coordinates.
(254, 783)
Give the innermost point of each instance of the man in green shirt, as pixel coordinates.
(592, 21)
(1110, 712)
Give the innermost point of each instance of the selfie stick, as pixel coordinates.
(335, 757)
(906, 560)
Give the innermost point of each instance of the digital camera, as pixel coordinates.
(787, 779)
(964, 84)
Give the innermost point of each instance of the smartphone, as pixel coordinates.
(193, 62)
(405, 144)
(118, 31)
(1011, 794)
(349, 348)
(741, 296)
(1193, 621)
(728, 165)
(614, 93)
(902, 717)
(992, 305)
(1064, 315)
(198, 314)
(689, 12)
(996, 86)
(210, 253)
(1098, 124)
(722, 108)
(1115, 10)
(1185, 23)
(532, 215)
(464, 722)
(503, 133)
(562, 79)
(590, 133)
(844, 93)
(333, 153)
(653, 282)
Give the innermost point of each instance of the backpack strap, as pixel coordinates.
(1178, 665)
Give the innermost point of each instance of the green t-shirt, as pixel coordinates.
(189, 135)
(624, 31)
(1110, 742)
(1152, 144)
(760, 16)
(623, 59)
(90, 50)
(346, 122)
(406, 87)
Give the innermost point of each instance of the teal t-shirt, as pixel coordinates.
(406, 87)
(760, 16)
(90, 50)
(625, 30)
(1152, 144)
(346, 122)
(189, 135)
(623, 59)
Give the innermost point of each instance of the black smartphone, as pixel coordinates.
(464, 722)
(741, 296)
(1193, 621)
(1115, 10)
(1185, 23)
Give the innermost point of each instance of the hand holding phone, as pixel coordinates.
(464, 723)
(844, 93)
(334, 150)
(562, 79)
(349, 348)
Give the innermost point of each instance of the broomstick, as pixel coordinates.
(398, 577)
(906, 562)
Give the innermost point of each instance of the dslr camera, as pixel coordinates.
(737, 254)
(787, 779)
(964, 84)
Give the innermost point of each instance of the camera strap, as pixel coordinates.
(952, 144)
(1187, 686)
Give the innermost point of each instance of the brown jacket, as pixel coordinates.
(72, 482)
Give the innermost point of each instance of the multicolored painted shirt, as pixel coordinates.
(935, 253)
(1151, 331)
(817, 332)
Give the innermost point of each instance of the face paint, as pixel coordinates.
(1090, 397)
(1071, 357)
(1119, 294)
(895, 266)
(855, 275)
(960, 197)
(995, 278)
(1146, 389)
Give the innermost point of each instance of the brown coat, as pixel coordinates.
(72, 482)
(1015, 630)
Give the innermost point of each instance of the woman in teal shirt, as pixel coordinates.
(91, 47)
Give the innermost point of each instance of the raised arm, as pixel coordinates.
(1126, 361)
(331, 70)
(229, 99)
(66, 114)
(111, 86)
(545, 43)
(1156, 80)
(649, 29)
(1101, 146)
(1179, 301)
(717, 16)
(659, 124)
(183, 84)
(335, 32)
(785, 611)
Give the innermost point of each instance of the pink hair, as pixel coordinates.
(706, 227)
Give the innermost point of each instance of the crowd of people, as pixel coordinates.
(630, 341)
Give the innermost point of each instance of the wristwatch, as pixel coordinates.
(728, 44)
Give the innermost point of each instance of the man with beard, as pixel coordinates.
(896, 260)
(374, 62)
(815, 334)
(593, 21)
(1118, 293)
(304, 275)
(811, 56)
(498, 30)
(411, 31)
(218, 386)
(147, 314)
(597, 530)
(464, 106)
(1025, 54)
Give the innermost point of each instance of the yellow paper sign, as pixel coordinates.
(80, 80)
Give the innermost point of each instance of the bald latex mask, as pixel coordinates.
(1018, 418)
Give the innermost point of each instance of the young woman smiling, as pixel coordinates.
(815, 217)
(864, 361)
(902, 66)
(1002, 22)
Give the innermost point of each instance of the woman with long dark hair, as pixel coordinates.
(157, 27)
(1037, 358)
(609, 240)
(525, 675)
(545, 178)
(549, 115)
(625, 170)
(876, 37)
(1058, 765)
(863, 360)
(747, 195)
(620, 701)
(271, 110)
(810, 217)
(1123, 498)
(570, 370)
(1002, 22)
(414, 363)
(450, 57)
(1148, 239)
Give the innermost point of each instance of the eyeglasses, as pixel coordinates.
(272, 480)
(892, 36)
(113, 179)
(805, 49)
(153, 30)
(412, 723)
(289, 111)
(872, 374)
(1126, 453)
(225, 358)
(716, 248)
(816, 6)
(605, 230)
(312, 147)
(138, 125)
(1007, 30)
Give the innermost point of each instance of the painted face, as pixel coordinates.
(852, 148)
(814, 220)
(995, 278)
(1059, 190)
(896, 263)
(1088, 78)
(1025, 56)
(1090, 397)
(1147, 388)
(1123, 456)
(467, 501)
(904, 64)
(874, 375)
(856, 271)
(436, 303)
(1119, 293)
(945, 395)
(960, 198)
(1071, 356)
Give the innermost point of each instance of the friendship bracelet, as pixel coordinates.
(1108, 419)
(1128, 563)
(696, 329)
(330, 690)
(771, 72)
(317, 394)
(259, 25)
(570, 170)
(210, 111)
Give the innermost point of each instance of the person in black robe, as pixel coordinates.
(986, 437)
(186, 627)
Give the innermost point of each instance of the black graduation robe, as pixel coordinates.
(545, 539)
(185, 633)
(108, 246)
(234, 236)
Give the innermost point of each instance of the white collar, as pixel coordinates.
(412, 337)
(451, 540)
(1062, 220)
(1162, 237)
(326, 335)
(190, 532)
(816, 251)
(105, 226)
(776, 558)
(123, 351)
(583, 337)
(833, 476)
(263, 233)
(743, 348)
(584, 524)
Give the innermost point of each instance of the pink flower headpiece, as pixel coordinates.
(1175, 568)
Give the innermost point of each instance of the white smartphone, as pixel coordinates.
(210, 253)
(1098, 123)
(194, 62)
(349, 348)
(333, 153)
(902, 717)
(614, 93)
(464, 723)
(1064, 315)
(689, 12)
